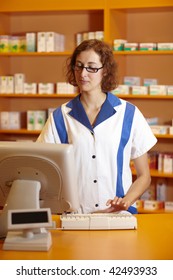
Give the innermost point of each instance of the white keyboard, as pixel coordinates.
(100, 221)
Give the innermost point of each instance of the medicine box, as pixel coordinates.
(22, 44)
(30, 120)
(19, 80)
(118, 44)
(39, 119)
(6, 84)
(150, 193)
(169, 205)
(41, 42)
(153, 204)
(31, 42)
(10, 84)
(121, 89)
(169, 90)
(3, 84)
(52, 42)
(168, 163)
(55, 42)
(149, 82)
(10, 120)
(165, 46)
(4, 120)
(147, 46)
(15, 43)
(36, 119)
(30, 88)
(99, 35)
(5, 43)
(171, 130)
(132, 81)
(140, 90)
(160, 129)
(131, 46)
(67, 88)
(164, 191)
(157, 90)
(45, 88)
(15, 119)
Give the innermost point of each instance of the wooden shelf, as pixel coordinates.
(133, 4)
(138, 52)
(164, 136)
(67, 53)
(35, 54)
(65, 95)
(15, 95)
(20, 131)
(140, 96)
(156, 173)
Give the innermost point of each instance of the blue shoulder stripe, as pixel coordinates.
(60, 125)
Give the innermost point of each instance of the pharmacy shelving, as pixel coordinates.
(136, 21)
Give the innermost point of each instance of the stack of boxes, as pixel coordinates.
(32, 42)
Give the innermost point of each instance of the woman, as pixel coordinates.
(106, 132)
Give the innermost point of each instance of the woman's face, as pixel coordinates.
(88, 81)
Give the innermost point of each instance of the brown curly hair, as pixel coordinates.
(109, 80)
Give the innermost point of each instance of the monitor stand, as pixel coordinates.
(24, 194)
(28, 240)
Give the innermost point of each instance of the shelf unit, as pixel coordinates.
(135, 21)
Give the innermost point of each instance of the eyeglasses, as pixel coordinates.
(89, 68)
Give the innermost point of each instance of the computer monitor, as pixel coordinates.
(37, 175)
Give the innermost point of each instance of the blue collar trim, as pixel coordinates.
(107, 110)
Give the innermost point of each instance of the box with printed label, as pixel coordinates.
(10, 120)
(31, 42)
(121, 89)
(5, 43)
(15, 43)
(140, 90)
(164, 46)
(10, 84)
(54, 42)
(19, 80)
(170, 90)
(4, 120)
(30, 120)
(131, 46)
(149, 82)
(15, 120)
(169, 205)
(45, 88)
(158, 90)
(41, 42)
(3, 84)
(132, 81)
(164, 191)
(147, 46)
(153, 204)
(30, 88)
(39, 119)
(118, 44)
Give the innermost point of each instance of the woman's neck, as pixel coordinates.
(92, 101)
(92, 105)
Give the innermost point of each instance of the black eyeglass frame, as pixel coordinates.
(88, 68)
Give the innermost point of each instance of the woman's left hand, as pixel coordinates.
(116, 204)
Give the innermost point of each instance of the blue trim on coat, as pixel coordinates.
(60, 125)
(107, 110)
(126, 130)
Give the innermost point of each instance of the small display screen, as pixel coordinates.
(29, 217)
